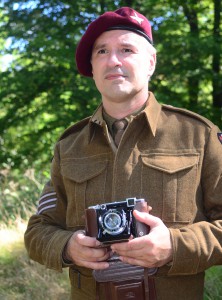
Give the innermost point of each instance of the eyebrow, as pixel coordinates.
(99, 46)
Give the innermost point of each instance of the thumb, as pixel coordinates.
(147, 218)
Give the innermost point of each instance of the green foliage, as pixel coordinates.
(41, 92)
(18, 194)
(23, 279)
(213, 287)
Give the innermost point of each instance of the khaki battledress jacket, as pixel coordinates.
(169, 156)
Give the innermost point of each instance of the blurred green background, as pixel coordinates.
(41, 93)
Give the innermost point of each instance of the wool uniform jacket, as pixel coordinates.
(169, 156)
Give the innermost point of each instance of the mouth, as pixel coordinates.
(114, 76)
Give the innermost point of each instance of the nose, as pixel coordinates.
(114, 59)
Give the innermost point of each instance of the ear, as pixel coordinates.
(91, 68)
(92, 75)
(152, 64)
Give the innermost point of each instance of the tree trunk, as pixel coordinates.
(193, 80)
(217, 77)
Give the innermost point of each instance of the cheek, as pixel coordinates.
(97, 76)
(97, 70)
(142, 70)
(94, 67)
(146, 69)
(98, 81)
(94, 72)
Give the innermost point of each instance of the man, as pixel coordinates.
(169, 156)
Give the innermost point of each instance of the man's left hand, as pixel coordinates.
(151, 250)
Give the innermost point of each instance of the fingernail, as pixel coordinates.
(98, 243)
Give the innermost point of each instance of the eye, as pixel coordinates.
(127, 50)
(102, 51)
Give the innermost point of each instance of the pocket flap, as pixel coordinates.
(81, 170)
(171, 163)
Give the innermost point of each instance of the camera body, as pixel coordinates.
(114, 222)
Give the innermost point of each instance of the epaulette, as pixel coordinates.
(75, 128)
(190, 114)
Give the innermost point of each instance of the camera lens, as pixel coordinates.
(112, 221)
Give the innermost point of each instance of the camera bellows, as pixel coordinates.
(118, 129)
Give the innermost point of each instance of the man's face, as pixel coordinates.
(122, 63)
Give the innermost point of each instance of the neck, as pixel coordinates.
(119, 110)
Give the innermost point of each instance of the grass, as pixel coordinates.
(23, 279)
(213, 284)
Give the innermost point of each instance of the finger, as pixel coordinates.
(104, 258)
(147, 218)
(87, 241)
(130, 246)
(94, 254)
(135, 261)
(149, 208)
(139, 262)
(101, 255)
(120, 247)
(82, 259)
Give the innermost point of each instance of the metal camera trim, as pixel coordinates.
(122, 218)
(103, 221)
(126, 201)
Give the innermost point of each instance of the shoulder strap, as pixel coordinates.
(74, 128)
(188, 113)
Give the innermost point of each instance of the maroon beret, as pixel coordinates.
(123, 18)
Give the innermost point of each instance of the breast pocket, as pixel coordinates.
(170, 181)
(84, 181)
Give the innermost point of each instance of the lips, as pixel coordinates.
(114, 76)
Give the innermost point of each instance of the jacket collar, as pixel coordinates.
(151, 111)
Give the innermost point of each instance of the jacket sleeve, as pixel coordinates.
(46, 234)
(198, 246)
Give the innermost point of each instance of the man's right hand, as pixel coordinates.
(83, 251)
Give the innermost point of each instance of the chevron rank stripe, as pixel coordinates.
(46, 201)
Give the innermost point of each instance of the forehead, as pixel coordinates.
(119, 36)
